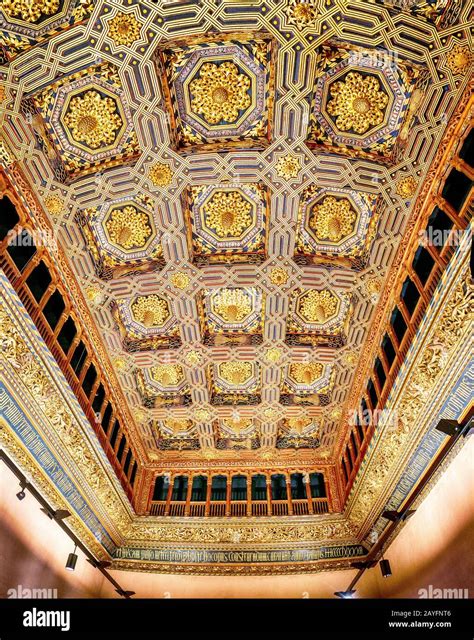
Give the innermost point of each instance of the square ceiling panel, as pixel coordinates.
(318, 317)
(232, 315)
(122, 237)
(227, 223)
(363, 102)
(217, 91)
(146, 322)
(237, 433)
(298, 433)
(175, 434)
(307, 383)
(83, 123)
(163, 385)
(235, 382)
(336, 227)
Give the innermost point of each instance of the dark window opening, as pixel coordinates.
(180, 489)
(160, 492)
(259, 488)
(114, 434)
(423, 264)
(380, 373)
(78, 357)
(133, 474)
(372, 393)
(199, 489)
(355, 447)
(398, 324)
(349, 460)
(365, 412)
(54, 309)
(67, 334)
(298, 490)
(89, 379)
(219, 488)
(439, 224)
(21, 249)
(344, 472)
(360, 433)
(388, 349)
(9, 218)
(467, 149)
(99, 398)
(456, 188)
(39, 280)
(410, 295)
(128, 460)
(106, 417)
(238, 490)
(316, 482)
(279, 487)
(121, 449)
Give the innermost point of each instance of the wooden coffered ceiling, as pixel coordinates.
(231, 182)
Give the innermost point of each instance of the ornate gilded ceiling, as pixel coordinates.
(231, 182)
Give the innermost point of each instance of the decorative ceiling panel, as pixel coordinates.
(228, 170)
(217, 91)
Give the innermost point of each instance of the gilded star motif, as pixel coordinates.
(406, 187)
(301, 13)
(220, 93)
(160, 174)
(279, 276)
(93, 119)
(288, 166)
(180, 280)
(54, 204)
(124, 29)
(459, 59)
(357, 102)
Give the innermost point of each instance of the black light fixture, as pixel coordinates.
(21, 495)
(385, 568)
(71, 560)
(345, 595)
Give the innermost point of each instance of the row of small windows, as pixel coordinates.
(456, 189)
(239, 487)
(21, 249)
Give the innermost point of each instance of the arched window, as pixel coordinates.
(259, 487)
(318, 489)
(161, 488)
(239, 488)
(218, 488)
(298, 491)
(198, 491)
(180, 489)
(279, 487)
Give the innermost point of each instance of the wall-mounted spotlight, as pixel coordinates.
(385, 568)
(345, 595)
(21, 494)
(71, 560)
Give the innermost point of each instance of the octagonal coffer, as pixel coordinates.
(218, 90)
(227, 222)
